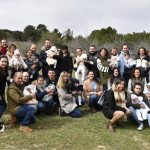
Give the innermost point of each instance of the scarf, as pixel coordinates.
(40, 87)
(10, 54)
(68, 88)
(3, 50)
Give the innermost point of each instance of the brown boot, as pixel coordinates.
(25, 129)
(93, 109)
(110, 126)
(13, 120)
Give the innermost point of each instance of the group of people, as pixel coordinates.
(121, 81)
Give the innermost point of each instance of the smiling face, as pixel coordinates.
(33, 48)
(125, 48)
(3, 62)
(142, 52)
(18, 79)
(137, 73)
(64, 51)
(4, 43)
(29, 53)
(116, 73)
(79, 52)
(65, 77)
(51, 74)
(12, 49)
(92, 49)
(40, 81)
(103, 52)
(91, 75)
(138, 89)
(121, 86)
(48, 44)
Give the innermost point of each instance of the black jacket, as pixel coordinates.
(2, 87)
(110, 103)
(93, 57)
(65, 64)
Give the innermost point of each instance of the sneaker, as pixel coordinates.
(141, 127)
(2, 127)
(26, 129)
(60, 112)
(48, 113)
(31, 76)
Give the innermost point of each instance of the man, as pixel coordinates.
(43, 57)
(53, 80)
(114, 52)
(33, 48)
(125, 50)
(92, 56)
(26, 78)
(4, 47)
(132, 106)
(16, 105)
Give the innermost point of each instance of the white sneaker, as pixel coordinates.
(141, 127)
(2, 127)
(31, 76)
(11, 80)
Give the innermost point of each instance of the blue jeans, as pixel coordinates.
(104, 87)
(33, 72)
(126, 76)
(2, 109)
(133, 116)
(93, 101)
(75, 113)
(26, 112)
(41, 106)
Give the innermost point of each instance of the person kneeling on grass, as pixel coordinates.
(16, 106)
(68, 106)
(114, 107)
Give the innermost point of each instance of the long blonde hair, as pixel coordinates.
(61, 83)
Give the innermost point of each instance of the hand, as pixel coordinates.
(26, 68)
(128, 112)
(51, 93)
(69, 74)
(143, 106)
(145, 68)
(0, 98)
(148, 95)
(112, 67)
(32, 67)
(50, 55)
(24, 58)
(74, 92)
(33, 95)
(81, 71)
(48, 90)
(79, 92)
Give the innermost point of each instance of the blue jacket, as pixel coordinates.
(46, 67)
(121, 65)
(40, 95)
(75, 88)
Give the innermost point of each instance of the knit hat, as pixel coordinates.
(33, 57)
(84, 56)
(16, 52)
(64, 47)
(148, 84)
(53, 48)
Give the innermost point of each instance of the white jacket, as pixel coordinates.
(129, 61)
(18, 63)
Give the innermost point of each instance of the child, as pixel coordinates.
(49, 60)
(81, 65)
(48, 96)
(141, 113)
(114, 61)
(16, 63)
(37, 64)
(76, 87)
(147, 92)
(128, 61)
(30, 89)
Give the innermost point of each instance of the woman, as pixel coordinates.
(66, 63)
(41, 92)
(66, 98)
(142, 61)
(136, 77)
(3, 77)
(92, 91)
(114, 107)
(114, 74)
(10, 54)
(103, 67)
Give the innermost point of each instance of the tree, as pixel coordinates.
(57, 31)
(67, 35)
(42, 28)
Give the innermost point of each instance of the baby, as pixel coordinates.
(49, 60)
(81, 65)
(49, 96)
(16, 63)
(76, 87)
(141, 113)
(30, 89)
(114, 61)
(147, 92)
(128, 61)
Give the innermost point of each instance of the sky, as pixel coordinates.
(80, 16)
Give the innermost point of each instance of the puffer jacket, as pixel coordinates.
(123, 54)
(14, 62)
(143, 63)
(93, 57)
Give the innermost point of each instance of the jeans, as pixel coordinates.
(2, 109)
(93, 101)
(26, 112)
(126, 76)
(49, 104)
(133, 116)
(99, 79)
(33, 72)
(14, 71)
(104, 87)
(75, 113)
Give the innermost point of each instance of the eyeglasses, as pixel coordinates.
(26, 76)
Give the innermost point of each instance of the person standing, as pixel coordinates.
(3, 47)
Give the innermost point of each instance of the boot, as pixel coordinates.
(13, 120)
(110, 126)
(57, 107)
(25, 129)
(93, 109)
